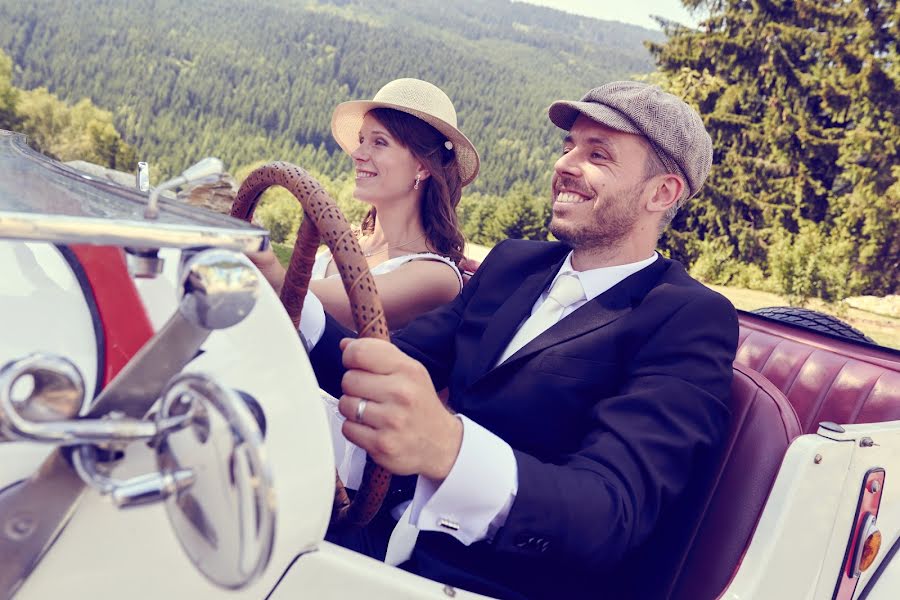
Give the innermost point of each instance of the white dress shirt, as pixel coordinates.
(473, 502)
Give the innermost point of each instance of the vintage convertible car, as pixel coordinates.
(161, 432)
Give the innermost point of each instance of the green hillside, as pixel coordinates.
(248, 81)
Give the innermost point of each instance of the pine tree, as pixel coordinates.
(9, 96)
(801, 99)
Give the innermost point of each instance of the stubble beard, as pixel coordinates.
(611, 223)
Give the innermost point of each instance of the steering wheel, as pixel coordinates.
(323, 217)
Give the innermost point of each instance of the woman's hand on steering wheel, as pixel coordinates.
(270, 267)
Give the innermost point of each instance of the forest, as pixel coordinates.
(249, 81)
(800, 96)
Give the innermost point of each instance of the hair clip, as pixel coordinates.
(448, 145)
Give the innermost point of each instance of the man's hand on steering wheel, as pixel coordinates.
(394, 413)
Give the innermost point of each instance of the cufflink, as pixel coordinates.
(448, 524)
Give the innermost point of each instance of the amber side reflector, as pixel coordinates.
(870, 548)
(864, 540)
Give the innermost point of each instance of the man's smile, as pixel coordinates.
(570, 198)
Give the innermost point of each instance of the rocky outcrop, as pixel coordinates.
(216, 197)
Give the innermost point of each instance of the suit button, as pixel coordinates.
(532, 542)
(524, 541)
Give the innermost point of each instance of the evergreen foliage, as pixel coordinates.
(801, 99)
(517, 214)
(249, 81)
(9, 96)
(64, 132)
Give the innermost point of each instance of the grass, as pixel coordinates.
(882, 328)
(283, 252)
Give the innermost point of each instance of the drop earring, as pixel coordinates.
(415, 187)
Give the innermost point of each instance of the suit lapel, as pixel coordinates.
(599, 312)
(509, 316)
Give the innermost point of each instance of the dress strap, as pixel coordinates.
(390, 265)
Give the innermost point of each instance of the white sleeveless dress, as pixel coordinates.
(349, 458)
(324, 259)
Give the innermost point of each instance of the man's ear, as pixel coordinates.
(666, 192)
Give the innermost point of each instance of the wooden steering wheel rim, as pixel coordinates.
(322, 218)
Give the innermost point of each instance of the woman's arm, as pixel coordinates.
(406, 292)
(268, 265)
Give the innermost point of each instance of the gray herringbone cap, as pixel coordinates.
(674, 129)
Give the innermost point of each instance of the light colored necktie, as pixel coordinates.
(566, 291)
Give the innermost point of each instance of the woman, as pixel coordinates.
(411, 164)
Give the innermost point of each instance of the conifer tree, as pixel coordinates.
(9, 95)
(802, 99)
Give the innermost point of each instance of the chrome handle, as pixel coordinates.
(57, 394)
(58, 391)
(137, 491)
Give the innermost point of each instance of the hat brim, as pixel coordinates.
(564, 113)
(347, 119)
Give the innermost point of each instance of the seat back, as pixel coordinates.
(825, 378)
(763, 425)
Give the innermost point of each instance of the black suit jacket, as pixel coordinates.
(613, 414)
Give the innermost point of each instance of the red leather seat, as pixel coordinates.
(786, 380)
(825, 379)
(762, 427)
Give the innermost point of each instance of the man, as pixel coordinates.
(588, 378)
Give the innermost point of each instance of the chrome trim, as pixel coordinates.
(38, 510)
(61, 229)
(142, 177)
(144, 263)
(44, 200)
(57, 394)
(221, 288)
(135, 491)
(225, 521)
(51, 495)
(56, 380)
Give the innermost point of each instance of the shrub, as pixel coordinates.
(715, 262)
(808, 264)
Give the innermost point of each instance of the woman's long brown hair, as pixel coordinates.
(443, 188)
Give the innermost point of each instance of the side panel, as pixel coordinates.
(798, 549)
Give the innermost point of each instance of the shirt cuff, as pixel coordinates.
(473, 502)
(312, 321)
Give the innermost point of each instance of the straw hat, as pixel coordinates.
(418, 98)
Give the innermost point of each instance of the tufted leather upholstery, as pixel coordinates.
(825, 379)
(805, 378)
